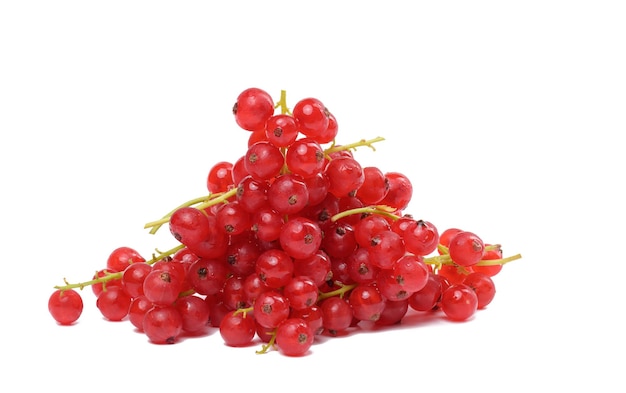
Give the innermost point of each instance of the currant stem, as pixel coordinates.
(282, 103)
(269, 345)
(343, 288)
(383, 210)
(369, 143)
(117, 275)
(245, 311)
(445, 259)
(202, 203)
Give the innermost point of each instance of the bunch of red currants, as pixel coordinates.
(295, 239)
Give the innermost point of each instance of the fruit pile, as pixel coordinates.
(295, 239)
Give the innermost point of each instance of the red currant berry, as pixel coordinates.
(263, 161)
(133, 278)
(121, 257)
(65, 306)
(253, 108)
(294, 337)
(281, 130)
(311, 116)
(189, 225)
(301, 292)
(114, 303)
(459, 302)
(305, 157)
(237, 328)
(400, 191)
(367, 303)
(375, 186)
(421, 237)
(139, 306)
(271, 308)
(345, 176)
(288, 194)
(336, 315)
(275, 268)
(195, 313)
(466, 249)
(163, 325)
(484, 287)
(220, 178)
(300, 237)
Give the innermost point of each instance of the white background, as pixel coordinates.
(505, 115)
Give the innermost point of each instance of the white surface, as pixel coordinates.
(505, 116)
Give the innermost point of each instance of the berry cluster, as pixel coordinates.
(295, 239)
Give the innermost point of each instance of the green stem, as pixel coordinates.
(269, 345)
(369, 143)
(214, 201)
(282, 103)
(117, 275)
(343, 288)
(383, 210)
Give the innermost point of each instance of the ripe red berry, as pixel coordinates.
(466, 249)
(253, 108)
(163, 325)
(459, 302)
(121, 257)
(220, 177)
(311, 116)
(294, 337)
(65, 306)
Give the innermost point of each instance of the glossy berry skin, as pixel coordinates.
(121, 257)
(133, 278)
(271, 308)
(162, 287)
(65, 306)
(427, 298)
(367, 303)
(194, 312)
(336, 315)
(263, 160)
(393, 312)
(253, 108)
(301, 292)
(312, 316)
(207, 276)
(484, 287)
(311, 116)
(275, 268)
(411, 272)
(114, 303)
(281, 130)
(345, 176)
(375, 186)
(237, 329)
(400, 191)
(189, 225)
(459, 302)
(220, 177)
(232, 218)
(466, 249)
(305, 157)
(300, 237)
(163, 325)
(294, 337)
(139, 306)
(421, 237)
(288, 194)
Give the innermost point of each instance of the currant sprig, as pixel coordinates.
(294, 239)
